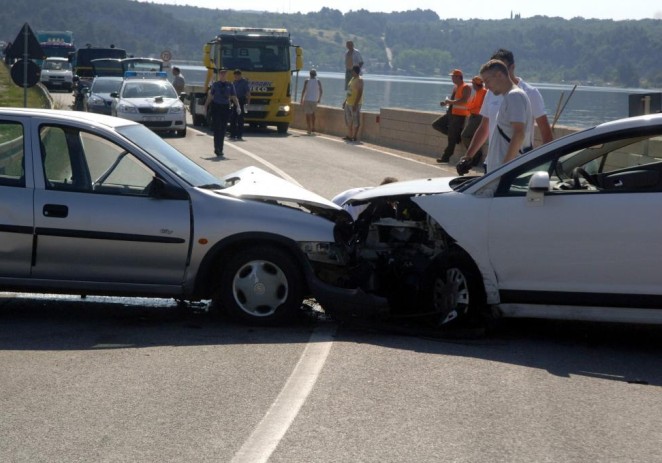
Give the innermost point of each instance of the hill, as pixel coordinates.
(547, 49)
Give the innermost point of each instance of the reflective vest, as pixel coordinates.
(476, 101)
(460, 109)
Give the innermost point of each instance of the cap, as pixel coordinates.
(456, 72)
(477, 80)
(223, 70)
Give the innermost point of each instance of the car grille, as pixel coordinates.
(256, 115)
(157, 124)
(153, 110)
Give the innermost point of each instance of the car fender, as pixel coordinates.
(465, 217)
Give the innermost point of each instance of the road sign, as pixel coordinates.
(166, 55)
(25, 73)
(25, 45)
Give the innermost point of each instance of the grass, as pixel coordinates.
(11, 95)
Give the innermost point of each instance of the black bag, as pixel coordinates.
(441, 123)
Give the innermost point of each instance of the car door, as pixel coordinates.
(16, 220)
(95, 219)
(585, 243)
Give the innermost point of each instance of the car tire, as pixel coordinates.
(182, 133)
(454, 292)
(260, 285)
(282, 127)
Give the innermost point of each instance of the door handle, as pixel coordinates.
(56, 210)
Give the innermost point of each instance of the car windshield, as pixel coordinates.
(172, 159)
(106, 85)
(56, 66)
(143, 89)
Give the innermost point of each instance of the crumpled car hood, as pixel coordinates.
(257, 184)
(411, 187)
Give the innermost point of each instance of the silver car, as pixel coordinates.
(93, 204)
(97, 97)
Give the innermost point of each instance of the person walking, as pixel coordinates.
(352, 58)
(178, 80)
(352, 104)
(514, 121)
(474, 105)
(221, 94)
(311, 95)
(458, 115)
(243, 91)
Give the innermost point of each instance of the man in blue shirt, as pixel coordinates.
(221, 93)
(242, 87)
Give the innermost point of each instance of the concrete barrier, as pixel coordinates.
(397, 128)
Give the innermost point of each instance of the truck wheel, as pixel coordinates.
(282, 127)
(260, 285)
(455, 291)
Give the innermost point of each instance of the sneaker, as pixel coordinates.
(218, 153)
(442, 161)
(239, 139)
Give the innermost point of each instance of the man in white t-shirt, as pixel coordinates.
(513, 124)
(492, 103)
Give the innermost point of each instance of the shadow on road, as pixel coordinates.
(616, 352)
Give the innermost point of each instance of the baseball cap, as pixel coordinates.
(456, 72)
(477, 80)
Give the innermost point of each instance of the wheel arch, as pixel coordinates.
(224, 249)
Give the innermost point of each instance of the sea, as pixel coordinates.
(580, 106)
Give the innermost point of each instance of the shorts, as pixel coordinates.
(352, 116)
(309, 107)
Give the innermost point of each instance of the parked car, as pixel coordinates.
(149, 98)
(56, 74)
(570, 230)
(93, 204)
(97, 98)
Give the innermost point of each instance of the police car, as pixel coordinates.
(149, 98)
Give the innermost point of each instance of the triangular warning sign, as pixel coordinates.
(25, 41)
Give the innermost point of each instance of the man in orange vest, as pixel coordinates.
(459, 113)
(475, 103)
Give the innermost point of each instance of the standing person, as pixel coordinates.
(514, 121)
(475, 103)
(243, 90)
(352, 104)
(221, 93)
(311, 95)
(178, 80)
(459, 113)
(352, 58)
(492, 102)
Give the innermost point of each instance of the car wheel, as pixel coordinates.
(182, 133)
(455, 291)
(282, 127)
(260, 285)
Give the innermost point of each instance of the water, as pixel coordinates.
(587, 107)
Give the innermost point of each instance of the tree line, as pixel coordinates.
(547, 49)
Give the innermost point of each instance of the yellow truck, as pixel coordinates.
(264, 56)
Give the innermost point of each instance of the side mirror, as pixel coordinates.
(538, 185)
(114, 95)
(160, 189)
(299, 58)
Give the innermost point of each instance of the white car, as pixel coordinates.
(570, 230)
(56, 74)
(149, 98)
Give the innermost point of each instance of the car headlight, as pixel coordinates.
(126, 108)
(324, 252)
(95, 101)
(176, 109)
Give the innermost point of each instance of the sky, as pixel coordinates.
(480, 9)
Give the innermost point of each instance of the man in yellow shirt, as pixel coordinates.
(352, 104)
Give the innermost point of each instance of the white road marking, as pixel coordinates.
(269, 432)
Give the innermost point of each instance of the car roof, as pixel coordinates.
(68, 116)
